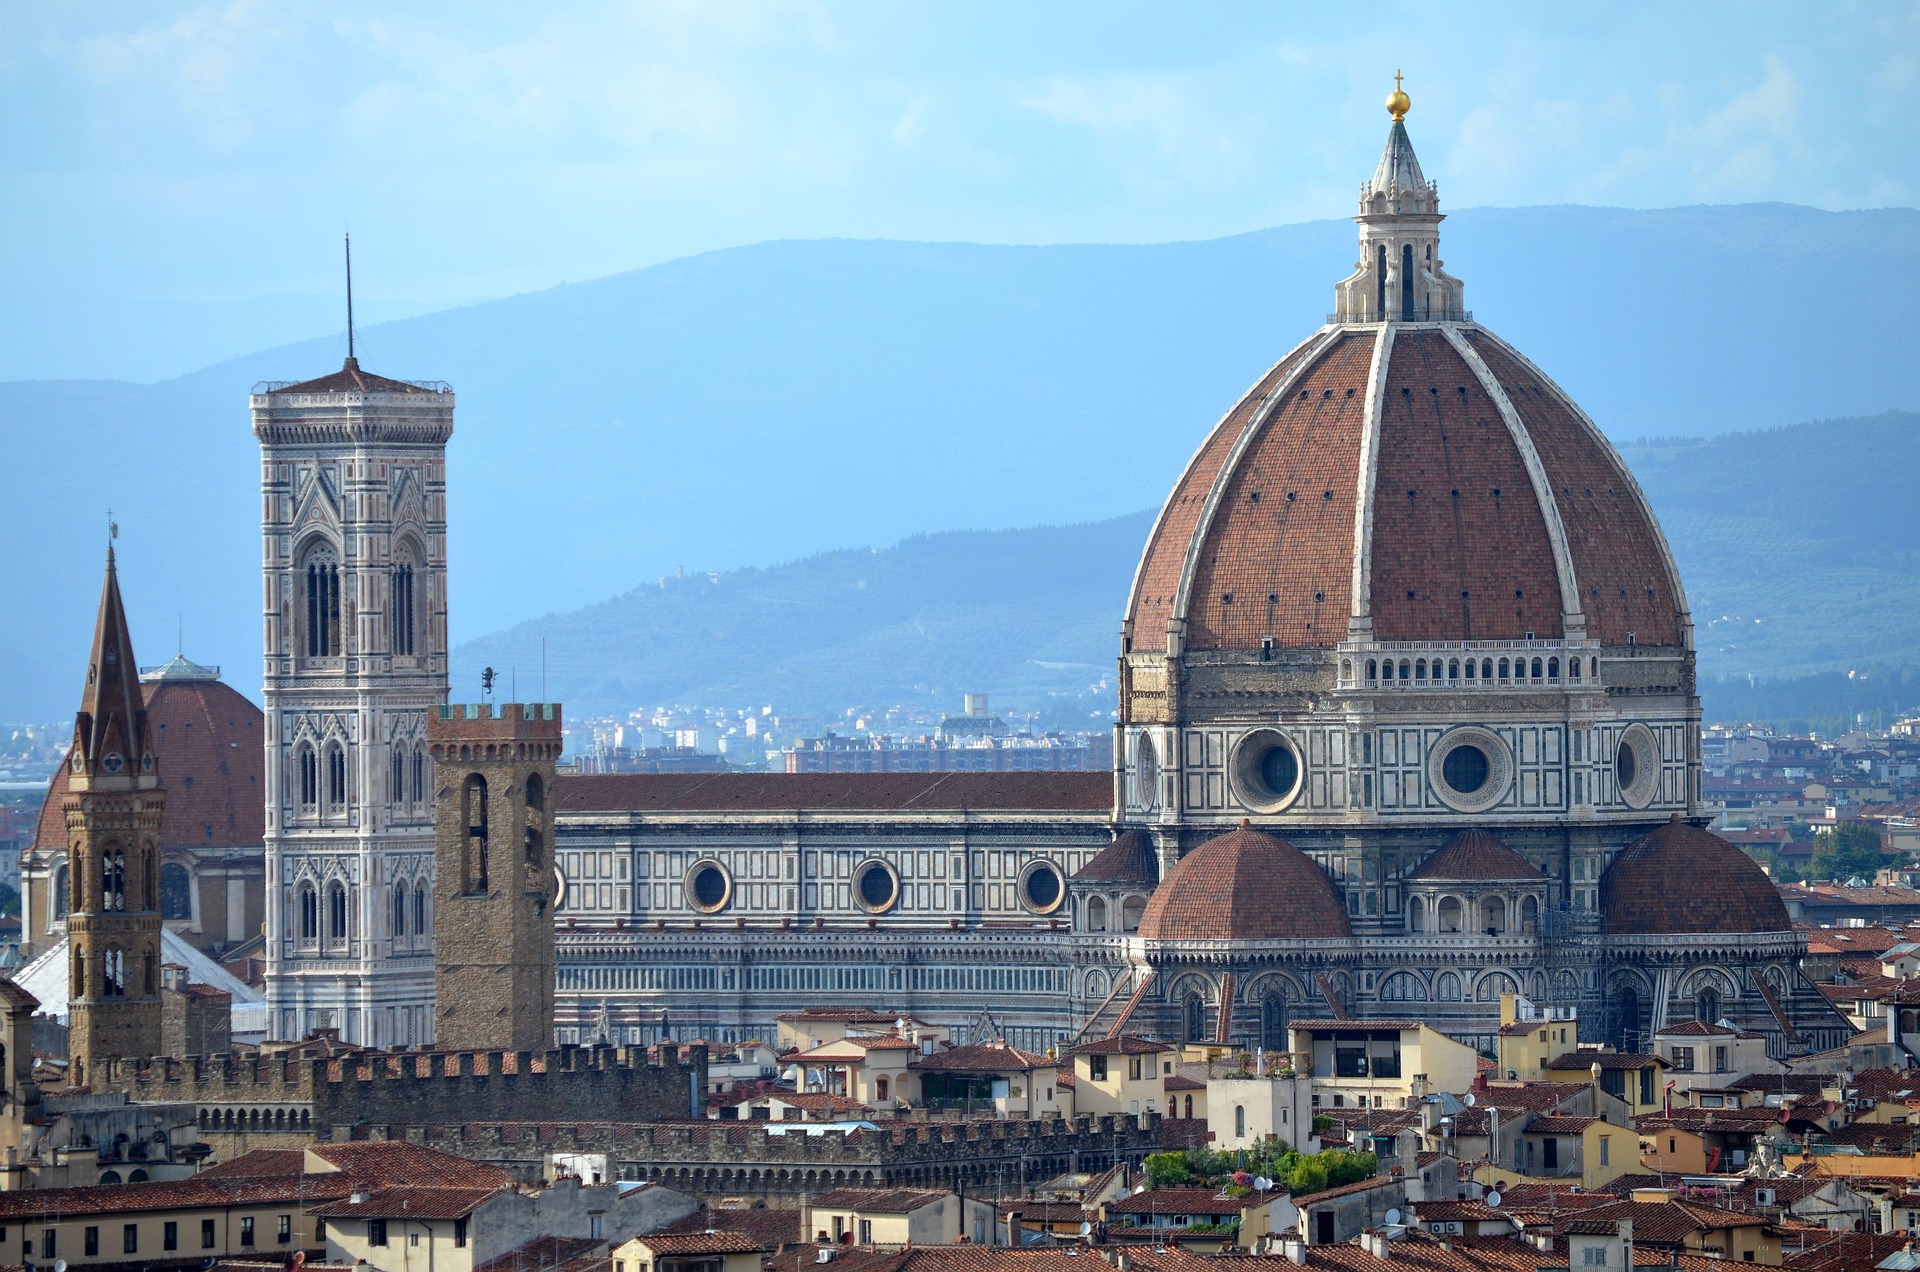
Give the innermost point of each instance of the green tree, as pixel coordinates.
(1849, 849)
(1167, 1170)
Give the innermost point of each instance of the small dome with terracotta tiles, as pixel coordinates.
(1681, 879)
(1476, 856)
(1128, 859)
(1245, 886)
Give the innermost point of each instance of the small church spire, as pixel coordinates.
(110, 730)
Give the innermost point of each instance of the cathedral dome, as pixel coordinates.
(1244, 886)
(208, 747)
(1680, 879)
(1403, 475)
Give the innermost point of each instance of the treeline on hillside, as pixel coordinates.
(1828, 702)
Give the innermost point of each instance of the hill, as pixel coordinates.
(771, 402)
(1797, 545)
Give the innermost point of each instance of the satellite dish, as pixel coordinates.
(1493, 1200)
(1467, 1099)
(59, 1265)
(1393, 1216)
(1086, 1229)
(1138, 1189)
(1262, 1183)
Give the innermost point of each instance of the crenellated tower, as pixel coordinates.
(112, 808)
(354, 556)
(494, 894)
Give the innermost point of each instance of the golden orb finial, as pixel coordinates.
(1398, 103)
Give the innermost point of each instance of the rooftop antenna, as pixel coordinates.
(350, 358)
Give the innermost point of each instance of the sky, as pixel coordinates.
(177, 176)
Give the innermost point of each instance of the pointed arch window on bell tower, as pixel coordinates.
(1406, 282)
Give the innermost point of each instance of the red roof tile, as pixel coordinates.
(1244, 886)
(708, 792)
(1681, 879)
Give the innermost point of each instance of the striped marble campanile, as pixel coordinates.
(354, 560)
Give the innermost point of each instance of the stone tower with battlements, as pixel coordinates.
(354, 554)
(112, 808)
(494, 892)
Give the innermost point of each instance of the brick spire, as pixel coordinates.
(112, 721)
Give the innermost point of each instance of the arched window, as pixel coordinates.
(1189, 1113)
(62, 895)
(1486, 669)
(1419, 669)
(1451, 915)
(400, 621)
(1274, 1018)
(176, 891)
(309, 777)
(113, 880)
(400, 911)
(1196, 1018)
(1503, 668)
(1403, 669)
(1536, 669)
(1131, 908)
(474, 817)
(1239, 1120)
(420, 930)
(1380, 285)
(419, 774)
(337, 913)
(536, 791)
(309, 906)
(1472, 669)
(336, 778)
(1453, 669)
(1447, 988)
(1416, 914)
(397, 774)
(1096, 915)
(322, 603)
(1529, 914)
(113, 973)
(1494, 984)
(1373, 669)
(1406, 282)
(1403, 987)
(150, 980)
(1553, 669)
(1493, 916)
(1706, 1006)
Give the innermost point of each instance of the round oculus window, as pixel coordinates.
(1470, 769)
(112, 762)
(709, 886)
(1041, 888)
(1266, 770)
(875, 886)
(1636, 766)
(1146, 773)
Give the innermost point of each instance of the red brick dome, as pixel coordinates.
(1477, 856)
(208, 743)
(1440, 486)
(1244, 886)
(1681, 879)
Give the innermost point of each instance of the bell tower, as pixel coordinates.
(494, 878)
(353, 492)
(112, 808)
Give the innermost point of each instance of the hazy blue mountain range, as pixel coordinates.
(1798, 546)
(771, 402)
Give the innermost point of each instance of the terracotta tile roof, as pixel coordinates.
(1695, 1029)
(195, 1193)
(1344, 1190)
(1477, 855)
(1456, 1211)
(208, 743)
(710, 792)
(1356, 1026)
(14, 996)
(351, 379)
(701, 1242)
(1659, 1222)
(1121, 1045)
(805, 1258)
(1561, 1124)
(1453, 559)
(1617, 549)
(1680, 879)
(1179, 1201)
(1245, 886)
(880, 1201)
(1827, 1251)
(993, 1057)
(770, 1226)
(549, 1254)
(261, 1163)
(1605, 1059)
(1128, 859)
(1181, 1082)
(395, 1163)
(413, 1202)
(1317, 437)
